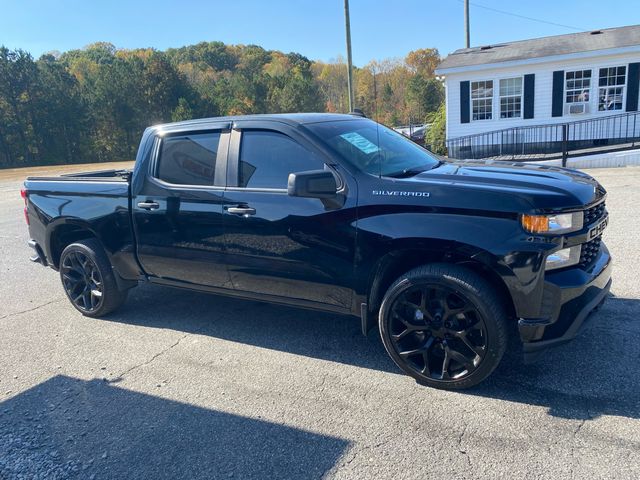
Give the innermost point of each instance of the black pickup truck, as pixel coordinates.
(338, 213)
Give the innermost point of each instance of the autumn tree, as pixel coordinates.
(92, 104)
(423, 61)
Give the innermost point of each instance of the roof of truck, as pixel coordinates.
(290, 118)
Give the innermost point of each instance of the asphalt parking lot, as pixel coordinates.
(183, 384)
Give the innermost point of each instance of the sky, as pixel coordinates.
(315, 28)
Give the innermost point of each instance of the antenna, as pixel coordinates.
(375, 93)
(375, 107)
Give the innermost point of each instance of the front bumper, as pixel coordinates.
(569, 297)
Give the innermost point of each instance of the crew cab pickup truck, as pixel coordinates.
(338, 213)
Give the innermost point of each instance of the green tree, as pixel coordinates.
(183, 111)
(19, 122)
(63, 116)
(291, 85)
(92, 104)
(424, 94)
(437, 132)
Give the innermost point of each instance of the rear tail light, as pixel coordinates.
(24, 194)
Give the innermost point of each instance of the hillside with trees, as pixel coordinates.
(91, 105)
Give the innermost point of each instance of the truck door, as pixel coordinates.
(177, 209)
(297, 249)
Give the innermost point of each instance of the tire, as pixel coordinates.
(88, 279)
(444, 325)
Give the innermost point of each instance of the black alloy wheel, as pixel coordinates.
(89, 279)
(444, 325)
(438, 332)
(82, 281)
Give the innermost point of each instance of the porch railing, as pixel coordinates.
(552, 141)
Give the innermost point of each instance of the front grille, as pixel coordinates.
(594, 213)
(589, 252)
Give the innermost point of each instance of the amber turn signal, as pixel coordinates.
(535, 223)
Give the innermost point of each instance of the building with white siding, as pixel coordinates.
(494, 93)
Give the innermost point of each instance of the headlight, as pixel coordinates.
(563, 258)
(560, 223)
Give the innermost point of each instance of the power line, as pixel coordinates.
(525, 17)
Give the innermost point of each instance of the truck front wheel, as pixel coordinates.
(444, 325)
(88, 279)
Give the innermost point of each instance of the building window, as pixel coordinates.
(511, 97)
(577, 88)
(481, 100)
(611, 88)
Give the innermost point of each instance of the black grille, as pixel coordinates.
(589, 252)
(594, 213)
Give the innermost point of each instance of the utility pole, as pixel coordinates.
(466, 25)
(349, 62)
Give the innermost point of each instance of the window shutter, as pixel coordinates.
(529, 93)
(558, 93)
(464, 102)
(633, 80)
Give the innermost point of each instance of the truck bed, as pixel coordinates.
(114, 175)
(98, 202)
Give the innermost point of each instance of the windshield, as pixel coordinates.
(374, 148)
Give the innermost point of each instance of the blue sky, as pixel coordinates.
(314, 28)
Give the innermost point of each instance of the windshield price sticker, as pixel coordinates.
(360, 142)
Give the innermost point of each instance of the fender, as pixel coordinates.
(496, 246)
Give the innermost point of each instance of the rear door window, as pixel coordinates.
(188, 159)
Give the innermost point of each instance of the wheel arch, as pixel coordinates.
(405, 257)
(64, 233)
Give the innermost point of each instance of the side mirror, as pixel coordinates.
(313, 184)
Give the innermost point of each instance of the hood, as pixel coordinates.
(496, 186)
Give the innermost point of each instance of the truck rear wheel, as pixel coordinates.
(88, 279)
(444, 325)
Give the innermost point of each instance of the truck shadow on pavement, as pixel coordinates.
(70, 428)
(596, 374)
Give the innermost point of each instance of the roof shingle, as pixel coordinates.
(543, 47)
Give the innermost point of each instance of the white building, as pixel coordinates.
(588, 80)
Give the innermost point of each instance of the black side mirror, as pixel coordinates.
(313, 184)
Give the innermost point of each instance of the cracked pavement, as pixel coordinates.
(184, 384)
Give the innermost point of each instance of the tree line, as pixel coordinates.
(92, 104)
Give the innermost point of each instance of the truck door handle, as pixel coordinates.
(149, 205)
(242, 210)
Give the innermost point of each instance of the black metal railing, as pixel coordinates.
(552, 141)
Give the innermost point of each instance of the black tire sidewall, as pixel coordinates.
(489, 308)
